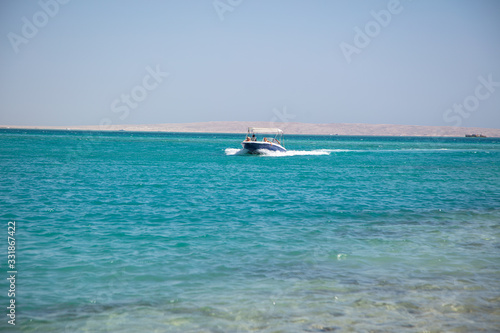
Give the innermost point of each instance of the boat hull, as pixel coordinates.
(254, 147)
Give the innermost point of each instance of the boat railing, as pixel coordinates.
(277, 139)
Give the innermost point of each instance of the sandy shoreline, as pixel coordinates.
(288, 128)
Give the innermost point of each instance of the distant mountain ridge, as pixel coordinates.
(290, 128)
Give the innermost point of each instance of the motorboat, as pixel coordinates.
(253, 145)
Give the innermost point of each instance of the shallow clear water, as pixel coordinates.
(148, 232)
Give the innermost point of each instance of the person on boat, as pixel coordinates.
(266, 140)
(253, 137)
(247, 138)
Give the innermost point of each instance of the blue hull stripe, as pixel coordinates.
(253, 146)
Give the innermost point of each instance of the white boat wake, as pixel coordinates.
(234, 151)
(317, 152)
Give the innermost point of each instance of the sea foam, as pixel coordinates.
(234, 151)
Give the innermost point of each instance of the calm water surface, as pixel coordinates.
(147, 232)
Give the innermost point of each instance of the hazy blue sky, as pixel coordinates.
(418, 62)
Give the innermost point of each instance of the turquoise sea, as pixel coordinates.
(171, 232)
